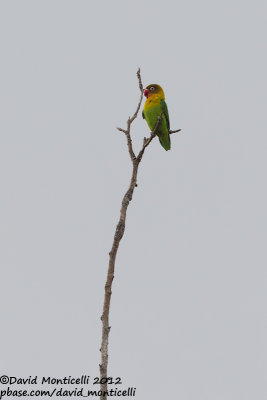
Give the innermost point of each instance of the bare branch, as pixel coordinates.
(177, 130)
(121, 130)
(129, 139)
(131, 119)
(141, 96)
(130, 145)
(119, 232)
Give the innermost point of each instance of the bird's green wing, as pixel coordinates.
(143, 115)
(165, 112)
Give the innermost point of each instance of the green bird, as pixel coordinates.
(154, 106)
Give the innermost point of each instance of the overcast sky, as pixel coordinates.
(188, 310)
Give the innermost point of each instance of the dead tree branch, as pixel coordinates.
(119, 234)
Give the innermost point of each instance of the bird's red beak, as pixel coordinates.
(146, 91)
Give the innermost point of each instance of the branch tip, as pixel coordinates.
(121, 130)
(176, 131)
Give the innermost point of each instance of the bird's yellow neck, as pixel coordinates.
(153, 100)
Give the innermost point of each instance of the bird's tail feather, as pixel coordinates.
(165, 142)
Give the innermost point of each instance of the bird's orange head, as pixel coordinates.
(154, 89)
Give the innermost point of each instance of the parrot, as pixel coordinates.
(154, 106)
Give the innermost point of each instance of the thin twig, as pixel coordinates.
(131, 119)
(141, 96)
(119, 234)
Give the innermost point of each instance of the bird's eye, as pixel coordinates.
(152, 88)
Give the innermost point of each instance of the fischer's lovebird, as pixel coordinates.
(154, 106)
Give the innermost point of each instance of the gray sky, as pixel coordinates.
(188, 317)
